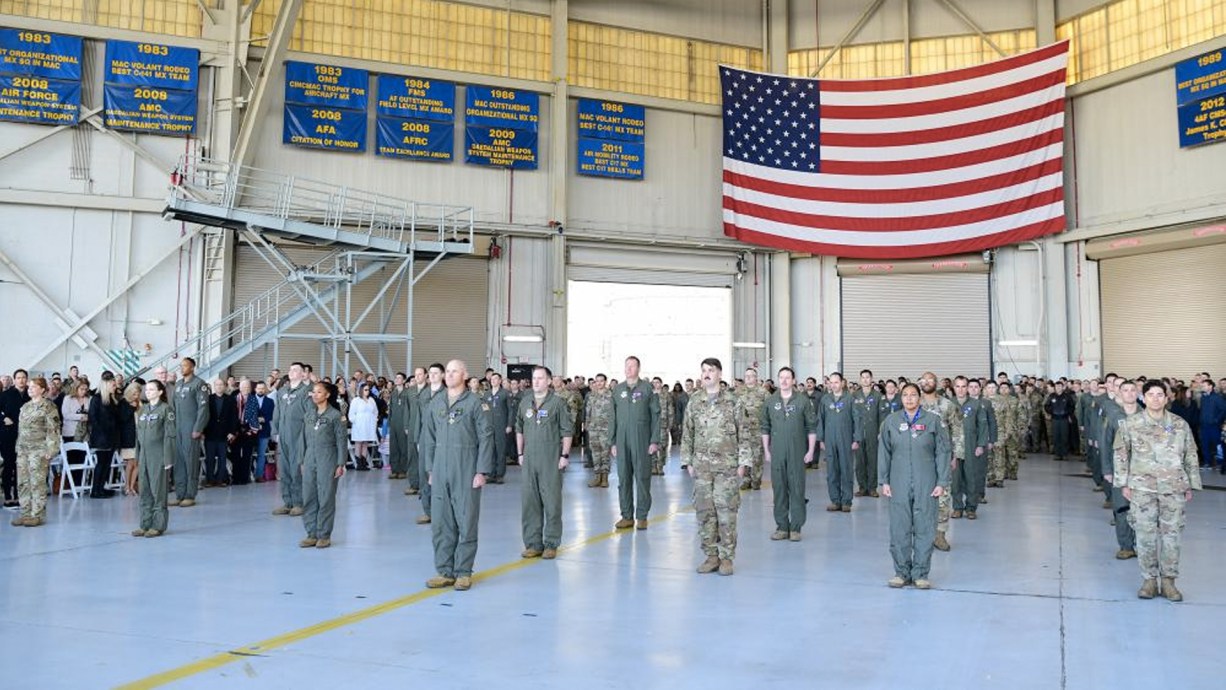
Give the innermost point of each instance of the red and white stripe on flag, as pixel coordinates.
(897, 168)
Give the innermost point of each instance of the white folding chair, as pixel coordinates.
(119, 473)
(68, 483)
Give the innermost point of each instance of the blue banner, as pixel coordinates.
(1203, 121)
(149, 110)
(489, 107)
(40, 54)
(605, 158)
(333, 129)
(500, 147)
(152, 64)
(609, 120)
(1200, 77)
(415, 139)
(39, 101)
(419, 99)
(307, 83)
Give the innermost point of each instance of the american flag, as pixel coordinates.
(897, 168)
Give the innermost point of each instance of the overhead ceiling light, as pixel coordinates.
(1017, 343)
(522, 339)
(750, 346)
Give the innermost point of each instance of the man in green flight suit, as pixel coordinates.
(543, 433)
(789, 426)
(634, 434)
(457, 448)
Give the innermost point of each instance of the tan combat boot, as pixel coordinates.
(604, 480)
(923, 583)
(595, 482)
(296, 511)
(1169, 591)
(549, 554)
(463, 583)
(440, 581)
(530, 553)
(308, 543)
(778, 535)
(1149, 589)
(709, 566)
(423, 519)
(280, 510)
(725, 567)
(624, 523)
(640, 524)
(1125, 554)
(940, 543)
(897, 582)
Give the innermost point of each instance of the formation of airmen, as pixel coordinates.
(932, 448)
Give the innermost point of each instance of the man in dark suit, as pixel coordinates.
(248, 433)
(264, 407)
(221, 431)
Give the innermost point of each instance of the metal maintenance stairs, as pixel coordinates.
(267, 316)
(224, 195)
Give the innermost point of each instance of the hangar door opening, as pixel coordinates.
(913, 320)
(672, 310)
(1155, 322)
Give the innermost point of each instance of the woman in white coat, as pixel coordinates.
(363, 423)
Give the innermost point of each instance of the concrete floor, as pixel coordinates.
(1030, 597)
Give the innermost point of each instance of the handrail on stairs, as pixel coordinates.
(337, 207)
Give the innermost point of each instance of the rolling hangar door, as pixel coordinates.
(450, 305)
(903, 318)
(669, 307)
(1162, 302)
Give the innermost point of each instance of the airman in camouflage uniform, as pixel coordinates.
(948, 412)
(38, 439)
(1156, 466)
(599, 414)
(1012, 442)
(752, 397)
(716, 448)
(665, 396)
(1006, 423)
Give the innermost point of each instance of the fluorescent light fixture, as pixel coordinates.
(750, 346)
(1017, 343)
(522, 339)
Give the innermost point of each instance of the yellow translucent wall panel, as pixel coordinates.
(617, 59)
(172, 17)
(428, 33)
(929, 55)
(1125, 32)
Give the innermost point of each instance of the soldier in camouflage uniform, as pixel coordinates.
(599, 414)
(665, 396)
(1013, 442)
(38, 440)
(716, 449)
(1157, 468)
(752, 397)
(1006, 424)
(948, 413)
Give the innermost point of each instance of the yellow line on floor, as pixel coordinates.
(264, 646)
